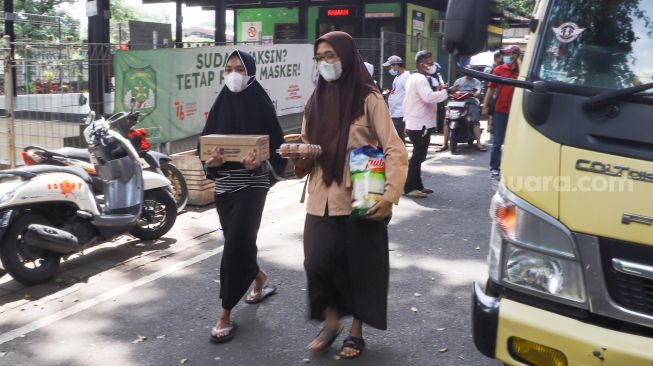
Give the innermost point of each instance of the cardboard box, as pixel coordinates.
(235, 147)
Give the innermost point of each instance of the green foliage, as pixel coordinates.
(48, 75)
(521, 7)
(24, 28)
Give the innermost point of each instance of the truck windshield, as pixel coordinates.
(598, 43)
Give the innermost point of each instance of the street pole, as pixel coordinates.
(9, 103)
(179, 20)
(382, 58)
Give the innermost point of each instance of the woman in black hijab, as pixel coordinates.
(242, 107)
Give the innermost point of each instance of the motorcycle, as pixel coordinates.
(48, 212)
(463, 109)
(124, 123)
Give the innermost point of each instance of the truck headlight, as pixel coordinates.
(544, 273)
(532, 252)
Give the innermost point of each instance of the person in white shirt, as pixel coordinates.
(397, 95)
(420, 110)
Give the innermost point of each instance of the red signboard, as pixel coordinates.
(338, 12)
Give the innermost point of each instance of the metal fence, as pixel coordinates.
(52, 82)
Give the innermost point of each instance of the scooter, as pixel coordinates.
(122, 122)
(48, 212)
(462, 110)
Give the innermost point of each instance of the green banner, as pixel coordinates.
(174, 89)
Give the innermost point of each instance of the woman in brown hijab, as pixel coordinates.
(346, 258)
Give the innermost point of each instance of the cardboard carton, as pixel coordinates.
(235, 147)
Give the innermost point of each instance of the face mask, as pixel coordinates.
(507, 60)
(330, 72)
(236, 82)
(432, 69)
(393, 72)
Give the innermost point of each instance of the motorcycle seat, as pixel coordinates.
(34, 170)
(73, 153)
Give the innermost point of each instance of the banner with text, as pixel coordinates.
(174, 89)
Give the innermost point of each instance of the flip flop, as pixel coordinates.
(266, 291)
(355, 343)
(329, 337)
(226, 338)
(481, 148)
(442, 149)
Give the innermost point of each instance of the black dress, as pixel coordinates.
(240, 193)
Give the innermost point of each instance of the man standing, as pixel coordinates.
(471, 85)
(420, 109)
(509, 69)
(397, 95)
(498, 61)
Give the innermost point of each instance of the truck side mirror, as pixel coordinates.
(465, 30)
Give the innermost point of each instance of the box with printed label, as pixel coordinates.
(235, 147)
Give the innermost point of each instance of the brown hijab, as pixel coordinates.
(335, 105)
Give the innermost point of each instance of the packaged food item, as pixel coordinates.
(235, 147)
(367, 168)
(296, 150)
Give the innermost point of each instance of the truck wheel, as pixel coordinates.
(158, 216)
(179, 186)
(27, 265)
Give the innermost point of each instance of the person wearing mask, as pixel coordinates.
(345, 257)
(420, 110)
(471, 85)
(437, 83)
(242, 107)
(498, 60)
(397, 95)
(509, 69)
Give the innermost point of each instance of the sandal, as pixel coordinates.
(225, 338)
(481, 148)
(444, 148)
(258, 297)
(354, 343)
(327, 337)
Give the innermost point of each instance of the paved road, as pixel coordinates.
(103, 303)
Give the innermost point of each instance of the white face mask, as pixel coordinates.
(432, 69)
(330, 72)
(236, 82)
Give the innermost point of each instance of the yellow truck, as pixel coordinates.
(571, 249)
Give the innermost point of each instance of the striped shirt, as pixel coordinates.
(229, 181)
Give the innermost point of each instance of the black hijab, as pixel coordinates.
(249, 112)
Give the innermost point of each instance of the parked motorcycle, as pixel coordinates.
(48, 212)
(124, 123)
(462, 110)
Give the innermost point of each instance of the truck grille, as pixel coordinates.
(630, 291)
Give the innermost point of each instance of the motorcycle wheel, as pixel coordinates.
(158, 217)
(179, 186)
(453, 142)
(27, 265)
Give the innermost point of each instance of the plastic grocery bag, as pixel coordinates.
(367, 167)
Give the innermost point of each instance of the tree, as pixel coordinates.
(521, 7)
(41, 25)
